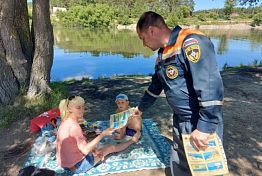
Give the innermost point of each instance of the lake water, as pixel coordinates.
(102, 53)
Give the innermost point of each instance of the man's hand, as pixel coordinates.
(136, 113)
(200, 139)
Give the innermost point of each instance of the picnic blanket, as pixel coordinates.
(151, 152)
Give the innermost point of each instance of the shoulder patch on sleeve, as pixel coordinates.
(193, 52)
(190, 41)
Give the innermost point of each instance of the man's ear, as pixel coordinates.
(151, 30)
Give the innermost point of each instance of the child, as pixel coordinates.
(73, 151)
(133, 126)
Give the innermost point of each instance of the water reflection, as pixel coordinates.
(95, 53)
(224, 37)
(96, 42)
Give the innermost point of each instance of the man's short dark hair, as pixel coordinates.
(150, 18)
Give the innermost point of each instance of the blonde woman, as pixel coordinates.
(73, 151)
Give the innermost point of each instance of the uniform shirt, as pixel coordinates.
(69, 137)
(187, 71)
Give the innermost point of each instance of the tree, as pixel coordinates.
(189, 3)
(229, 6)
(25, 56)
(43, 49)
(183, 11)
(170, 5)
(70, 3)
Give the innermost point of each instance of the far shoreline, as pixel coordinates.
(227, 26)
(148, 76)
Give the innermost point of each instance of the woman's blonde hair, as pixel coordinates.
(63, 105)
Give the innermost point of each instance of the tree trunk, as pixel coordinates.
(15, 49)
(11, 42)
(23, 30)
(24, 57)
(43, 49)
(8, 84)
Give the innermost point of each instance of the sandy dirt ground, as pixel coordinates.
(242, 119)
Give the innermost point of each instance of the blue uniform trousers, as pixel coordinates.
(178, 161)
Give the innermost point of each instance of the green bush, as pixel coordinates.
(92, 15)
(213, 15)
(172, 19)
(123, 16)
(124, 20)
(137, 10)
(257, 20)
(250, 16)
(30, 108)
(201, 17)
(96, 15)
(183, 11)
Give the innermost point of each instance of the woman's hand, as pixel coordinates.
(108, 132)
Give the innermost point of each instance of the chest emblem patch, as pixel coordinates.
(171, 72)
(193, 53)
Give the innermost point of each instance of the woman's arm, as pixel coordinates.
(85, 147)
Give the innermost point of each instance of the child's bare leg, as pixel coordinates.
(117, 148)
(114, 148)
(135, 124)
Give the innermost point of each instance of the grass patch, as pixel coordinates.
(9, 114)
(254, 64)
(24, 108)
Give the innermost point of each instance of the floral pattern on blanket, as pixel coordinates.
(151, 152)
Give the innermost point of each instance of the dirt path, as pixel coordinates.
(242, 116)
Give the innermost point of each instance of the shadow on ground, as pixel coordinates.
(242, 118)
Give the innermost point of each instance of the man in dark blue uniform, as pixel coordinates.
(187, 71)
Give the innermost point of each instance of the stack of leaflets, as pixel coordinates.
(211, 161)
(120, 119)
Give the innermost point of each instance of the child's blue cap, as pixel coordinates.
(121, 97)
